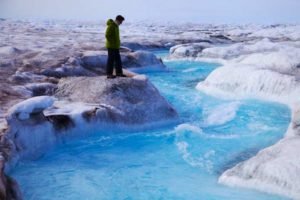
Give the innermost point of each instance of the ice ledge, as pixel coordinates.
(275, 169)
(271, 73)
(83, 105)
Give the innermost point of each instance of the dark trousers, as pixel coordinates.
(114, 59)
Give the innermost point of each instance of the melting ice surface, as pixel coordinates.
(181, 161)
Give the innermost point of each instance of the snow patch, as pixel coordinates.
(36, 104)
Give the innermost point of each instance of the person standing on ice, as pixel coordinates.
(112, 44)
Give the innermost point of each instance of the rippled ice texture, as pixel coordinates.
(182, 161)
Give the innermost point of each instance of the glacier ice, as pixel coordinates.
(23, 109)
(267, 70)
(249, 82)
(83, 105)
(260, 61)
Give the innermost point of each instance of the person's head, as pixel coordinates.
(119, 19)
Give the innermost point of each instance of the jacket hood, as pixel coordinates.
(110, 22)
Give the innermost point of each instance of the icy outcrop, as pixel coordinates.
(188, 50)
(94, 60)
(275, 169)
(29, 131)
(83, 105)
(23, 110)
(263, 69)
(141, 61)
(136, 98)
(247, 81)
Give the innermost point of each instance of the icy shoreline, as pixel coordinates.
(268, 70)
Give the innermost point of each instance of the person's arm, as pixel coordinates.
(109, 34)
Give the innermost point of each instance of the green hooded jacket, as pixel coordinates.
(112, 35)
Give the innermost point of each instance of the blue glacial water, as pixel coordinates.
(181, 161)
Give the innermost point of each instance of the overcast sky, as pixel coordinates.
(199, 11)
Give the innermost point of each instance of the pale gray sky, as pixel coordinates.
(200, 11)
